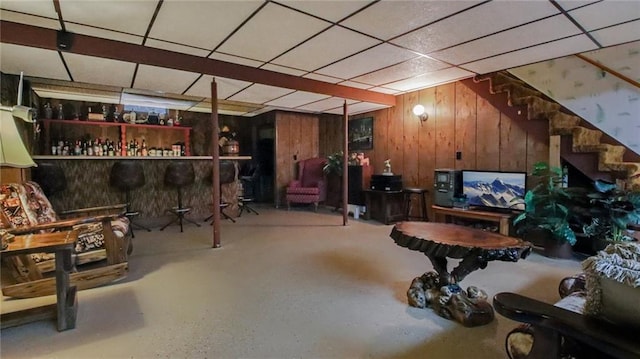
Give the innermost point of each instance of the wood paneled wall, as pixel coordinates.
(460, 120)
(297, 138)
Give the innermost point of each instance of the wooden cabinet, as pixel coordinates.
(384, 206)
(155, 135)
(359, 180)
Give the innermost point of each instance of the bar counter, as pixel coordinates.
(88, 185)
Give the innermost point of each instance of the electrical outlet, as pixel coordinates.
(458, 155)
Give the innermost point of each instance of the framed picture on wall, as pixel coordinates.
(361, 134)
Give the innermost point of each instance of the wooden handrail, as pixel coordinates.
(609, 70)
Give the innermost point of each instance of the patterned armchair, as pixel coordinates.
(103, 240)
(311, 186)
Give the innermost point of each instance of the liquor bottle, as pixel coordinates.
(111, 149)
(143, 151)
(90, 148)
(105, 147)
(84, 148)
(132, 151)
(97, 147)
(60, 112)
(77, 151)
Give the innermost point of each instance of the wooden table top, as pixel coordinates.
(44, 242)
(450, 240)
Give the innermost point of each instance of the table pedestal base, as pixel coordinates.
(470, 308)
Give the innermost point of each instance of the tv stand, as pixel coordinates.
(444, 215)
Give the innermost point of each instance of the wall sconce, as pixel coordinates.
(420, 111)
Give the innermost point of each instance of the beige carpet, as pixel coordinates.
(284, 285)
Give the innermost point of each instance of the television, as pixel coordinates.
(494, 190)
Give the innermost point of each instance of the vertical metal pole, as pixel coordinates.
(345, 168)
(215, 163)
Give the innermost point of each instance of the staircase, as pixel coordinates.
(583, 139)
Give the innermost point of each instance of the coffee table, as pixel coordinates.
(440, 288)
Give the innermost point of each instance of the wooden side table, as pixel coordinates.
(444, 214)
(384, 206)
(66, 307)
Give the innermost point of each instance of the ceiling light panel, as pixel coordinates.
(32, 61)
(475, 23)
(535, 33)
(404, 15)
(298, 98)
(225, 87)
(112, 72)
(618, 34)
(176, 48)
(48, 23)
(260, 94)
(430, 79)
(367, 61)
(76, 94)
(411, 68)
(329, 46)
(326, 104)
(568, 46)
(606, 13)
(128, 16)
(335, 11)
(201, 24)
(272, 31)
(163, 80)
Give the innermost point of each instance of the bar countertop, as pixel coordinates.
(49, 157)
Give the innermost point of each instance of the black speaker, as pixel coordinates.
(65, 40)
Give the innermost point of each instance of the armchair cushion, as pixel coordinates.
(310, 186)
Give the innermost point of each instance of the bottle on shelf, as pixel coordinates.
(143, 151)
(60, 112)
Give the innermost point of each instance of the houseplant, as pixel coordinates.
(547, 214)
(611, 210)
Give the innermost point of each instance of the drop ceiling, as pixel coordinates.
(388, 47)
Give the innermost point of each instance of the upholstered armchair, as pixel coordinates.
(310, 185)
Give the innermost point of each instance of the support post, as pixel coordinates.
(215, 164)
(345, 168)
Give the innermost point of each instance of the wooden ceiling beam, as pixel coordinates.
(34, 36)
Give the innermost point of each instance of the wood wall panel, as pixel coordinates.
(380, 150)
(488, 136)
(410, 165)
(427, 139)
(445, 126)
(395, 149)
(465, 127)
(513, 145)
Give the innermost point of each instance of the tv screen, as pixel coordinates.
(494, 189)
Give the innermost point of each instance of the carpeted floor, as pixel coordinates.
(284, 285)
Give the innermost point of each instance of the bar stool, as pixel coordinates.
(127, 176)
(248, 177)
(179, 174)
(50, 177)
(422, 196)
(227, 175)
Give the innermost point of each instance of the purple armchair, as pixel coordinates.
(311, 186)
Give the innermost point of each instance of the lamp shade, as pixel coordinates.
(13, 152)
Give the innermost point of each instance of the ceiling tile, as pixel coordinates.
(355, 84)
(357, 108)
(201, 24)
(295, 99)
(385, 90)
(335, 11)
(163, 80)
(106, 34)
(572, 4)
(367, 61)
(411, 68)
(329, 46)
(473, 24)
(326, 104)
(283, 69)
(235, 59)
(314, 76)
(402, 14)
(225, 87)
(49, 23)
(33, 7)
(535, 33)
(591, 17)
(176, 48)
(112, 72)
(32, 61)
(430, 79)
(266, 35)
(533, 54)
(260, 94)
(128, 16)
(618, 34)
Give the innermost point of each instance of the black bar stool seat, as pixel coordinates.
(422, 197)
(127, 176)
(179, 174)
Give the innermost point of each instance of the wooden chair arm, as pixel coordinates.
(63, 223)
(116, 208)
(617, 341)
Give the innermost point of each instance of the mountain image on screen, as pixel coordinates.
(498, 193)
